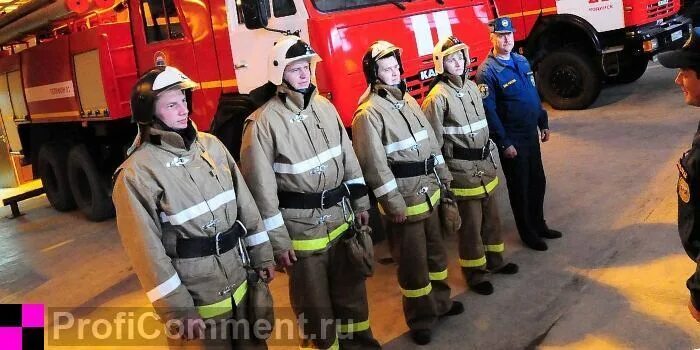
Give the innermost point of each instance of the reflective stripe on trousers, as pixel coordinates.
(319, 243)
(418, 208)
(224, 306)
(470, 192)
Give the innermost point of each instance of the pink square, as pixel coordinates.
(33, 315)
(11, 338)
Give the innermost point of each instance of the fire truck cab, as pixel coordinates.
(576, 45)
(68, 95)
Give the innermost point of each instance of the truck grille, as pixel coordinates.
(656, 11)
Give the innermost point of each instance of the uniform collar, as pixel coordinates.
(498, 64)
(171, 140)
(295, 100)
(454, 81)
(390, 92)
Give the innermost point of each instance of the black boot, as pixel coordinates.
(456, 309)
(421, 336)
(483, 288)
(550, 234)
(507, 269)
(535, 244)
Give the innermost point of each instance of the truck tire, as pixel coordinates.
(631, 69)
(228, 121)
(52, 162)
(90, 189)
(568, 79)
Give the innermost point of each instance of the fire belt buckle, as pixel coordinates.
(319, 169)
(423, 190)
(298, 117)
(323, 199)
(324, 218)
(216, 244)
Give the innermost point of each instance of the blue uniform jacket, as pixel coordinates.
(513, 106)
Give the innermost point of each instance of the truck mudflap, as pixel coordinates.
(655, 37)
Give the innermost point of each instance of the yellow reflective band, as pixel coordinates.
(418, 208)
(423, 207)
(470, 192)
(224, 306)
(473, 263)
(438, 276)
(335, 346)
(319, 243)
(353, 327)
(417, 293)
(495, 248)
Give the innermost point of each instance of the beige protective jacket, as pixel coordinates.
(457, 116)
(164, 192)
(295, 143)
(389, 127)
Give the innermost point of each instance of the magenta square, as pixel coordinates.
(33, 315)
(11, 338)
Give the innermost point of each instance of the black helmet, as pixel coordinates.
(380, 49)
(147, 88)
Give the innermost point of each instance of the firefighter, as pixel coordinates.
(185, 214)
(687, 60)
(456, 113)
(514, 113)
(304, 175)
(401, 160)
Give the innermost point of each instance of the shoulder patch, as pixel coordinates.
(484, 90)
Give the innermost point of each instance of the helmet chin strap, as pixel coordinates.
(301, 91)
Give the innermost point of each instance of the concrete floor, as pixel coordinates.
(616, 280)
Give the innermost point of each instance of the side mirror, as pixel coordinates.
(255, 13)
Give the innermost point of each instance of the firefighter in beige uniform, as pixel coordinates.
(455, 111)
(309, 188)
(403, 166)
(182, 209)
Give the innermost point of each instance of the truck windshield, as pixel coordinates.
(339, 5)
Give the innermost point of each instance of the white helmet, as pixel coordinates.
(446, 47)
(287, 50)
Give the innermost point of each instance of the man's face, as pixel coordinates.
(171, 109)
(454, 63)
(298, 74)
(689, 82)
(502, 42)
(388, 70)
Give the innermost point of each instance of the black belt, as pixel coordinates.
(472, 153)
(323, 200)
(206, 246)
(411, 169)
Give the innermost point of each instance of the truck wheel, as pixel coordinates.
(52, 171)
(228, 121)
(631, 69)
(90, 189)
(568, 79)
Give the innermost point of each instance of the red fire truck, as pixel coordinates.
(576, 45)
(68, 92)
